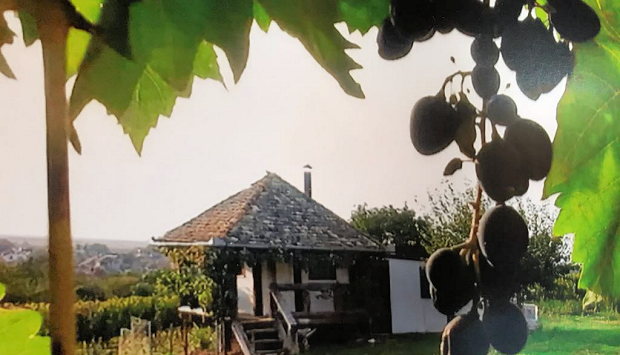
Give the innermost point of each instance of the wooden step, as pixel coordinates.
(258, 324)
(262, 333)
(268, 344)
(268, 352)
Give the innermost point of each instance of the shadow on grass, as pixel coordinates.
(414, 344)
(573, 341)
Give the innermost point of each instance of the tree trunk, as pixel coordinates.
(53, 29)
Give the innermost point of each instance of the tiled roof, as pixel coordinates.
(270, 214)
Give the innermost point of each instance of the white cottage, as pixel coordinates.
(309, 286)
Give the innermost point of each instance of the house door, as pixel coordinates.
(299, 295)
(245, 291)
(257, 271)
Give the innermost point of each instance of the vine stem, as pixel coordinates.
(53, 28)
(477, 204)
(449, 78)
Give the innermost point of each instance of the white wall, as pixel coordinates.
(324, 302)
(410, 312)
(245, 291)
(267, 278)
(284, 275)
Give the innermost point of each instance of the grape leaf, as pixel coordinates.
(262, 18)
(152, 98)
(77, 41)
(18, 329)
(170, 49)
(586, 166)
(165, 38)
(29, 27)
(205, 63)
(6, 37)
(136, 97)
(228, 25)
(312, 22)
(362, 15)
(113, 25)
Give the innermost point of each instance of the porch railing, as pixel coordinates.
(287, 319)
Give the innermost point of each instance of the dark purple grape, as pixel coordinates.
(484, 51)
(485, 81)
(448, 273)
(433, 124)
(574, 20)
(501, 110)
(503, 236)
(473, 18)
(497, 283)
(508, 11)
(505, 326)
(532, 142)
(412, 18)
(392, 45)
(464, 335)
(499, 170)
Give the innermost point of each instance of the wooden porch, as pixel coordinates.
(290, 330)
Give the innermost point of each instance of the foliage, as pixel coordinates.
(104, 319)
(449, 218)
(554, 307)
(204, 337)
(586, 164)
(26, 281)
(389, 224)
(158, 47)
(18, 331)
(188, 282)
(120, 285)
(90, 293)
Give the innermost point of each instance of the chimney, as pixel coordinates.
(308, 180)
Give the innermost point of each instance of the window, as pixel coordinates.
(425, 291)
(322, 271)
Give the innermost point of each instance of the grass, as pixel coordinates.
(413, 344)
(559, 335)
(593, 334)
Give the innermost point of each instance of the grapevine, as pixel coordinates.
(508, 150)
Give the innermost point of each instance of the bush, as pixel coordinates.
(104, 319)
(559, 307)
(143, 289)
(90, 293)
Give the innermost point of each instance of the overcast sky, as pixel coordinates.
(284, 113)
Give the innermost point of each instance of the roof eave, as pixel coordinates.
(218, 242)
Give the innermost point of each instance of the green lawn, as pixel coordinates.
(559, 335)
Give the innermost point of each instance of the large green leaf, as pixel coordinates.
(312, 22)
(166, 41)
(29, 27)
(228, 25)
(362, 15)
(586, 165)
(18, 329)
(260, 15)
(6, 37)
(77, 41)
(167, 46)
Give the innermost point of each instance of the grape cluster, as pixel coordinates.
(529, 47)
(511, 150)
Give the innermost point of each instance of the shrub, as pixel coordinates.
(104, 319)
